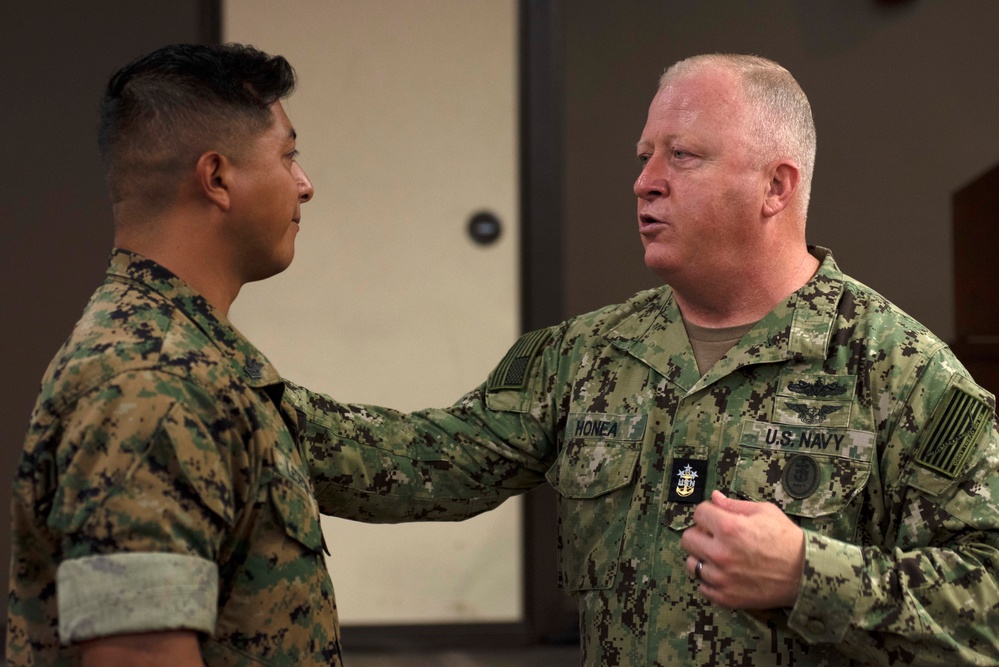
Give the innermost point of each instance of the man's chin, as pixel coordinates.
(659, 265)
(272, 268)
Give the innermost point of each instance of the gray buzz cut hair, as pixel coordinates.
(780, 117)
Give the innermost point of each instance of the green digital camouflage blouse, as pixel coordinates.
(838, 407)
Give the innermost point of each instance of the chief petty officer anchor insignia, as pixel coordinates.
(689, 477)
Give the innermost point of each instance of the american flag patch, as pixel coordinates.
(950, 437)
(512, 371)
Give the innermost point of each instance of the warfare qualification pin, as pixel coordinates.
(689, 476)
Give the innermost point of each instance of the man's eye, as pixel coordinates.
(643, 158)
(680, 154)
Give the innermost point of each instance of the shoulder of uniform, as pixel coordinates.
(952, 416)
(647, 302)
(514, 371)
(123, 329)
(873, 303)
(886, 326)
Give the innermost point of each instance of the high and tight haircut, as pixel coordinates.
(780, 117)
(162, 111)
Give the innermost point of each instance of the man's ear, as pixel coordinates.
(784, 178)
(214, 176)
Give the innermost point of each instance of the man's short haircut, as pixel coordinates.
(781, 123)
(162, 111)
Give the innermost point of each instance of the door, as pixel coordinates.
(406, 117)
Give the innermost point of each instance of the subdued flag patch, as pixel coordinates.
(512, 371)
(951, 435)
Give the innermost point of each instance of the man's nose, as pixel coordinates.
(651, 182)
(305, 189)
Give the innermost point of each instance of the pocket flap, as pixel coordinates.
(807, 472)
(588, 469)
(298, 511)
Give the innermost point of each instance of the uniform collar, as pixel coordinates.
(799, 327)
(246, 360)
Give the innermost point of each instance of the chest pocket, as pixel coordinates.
(594, 478)
(815, 475)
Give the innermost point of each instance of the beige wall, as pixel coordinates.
(406, 118)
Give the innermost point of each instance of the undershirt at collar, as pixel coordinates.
(711, 344)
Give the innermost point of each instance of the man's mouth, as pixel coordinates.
(646, 220)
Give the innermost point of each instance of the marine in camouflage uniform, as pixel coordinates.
(162, 486)
(163, 511)
(837, 407)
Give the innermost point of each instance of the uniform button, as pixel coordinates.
(815, 626)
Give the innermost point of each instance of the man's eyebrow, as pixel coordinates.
(293, 134)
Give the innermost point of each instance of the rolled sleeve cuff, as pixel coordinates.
(830, 588)
(135, 592)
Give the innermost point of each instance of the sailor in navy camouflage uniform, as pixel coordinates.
(763, 462)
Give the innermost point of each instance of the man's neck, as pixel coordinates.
(747, 296)
(185, 250)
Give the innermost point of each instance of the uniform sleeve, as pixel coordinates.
(379, 465)
(375, 464)
(929, 595)
(143, 500)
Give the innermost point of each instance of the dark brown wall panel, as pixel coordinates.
(55, 219)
